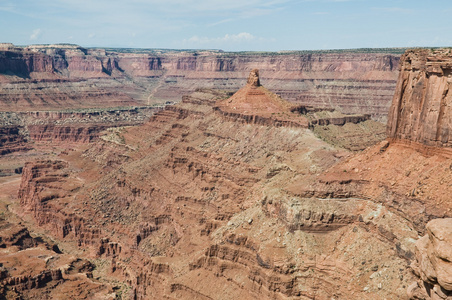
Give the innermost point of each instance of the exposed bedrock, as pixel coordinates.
(433, 263)
(12, 139)
(77, 133)
(411, 170)
(194, 200)
(44, 181)
(71, 76)
(19, 130)
(421, 109)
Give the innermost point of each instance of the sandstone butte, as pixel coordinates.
(220, 197)
(254, 103)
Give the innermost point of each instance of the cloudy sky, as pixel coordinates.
(232, 25)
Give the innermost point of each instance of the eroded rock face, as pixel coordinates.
(433, 262)
(253, 78)
(68, 76)
(421, 109)
(193, 200)
(411, 170)
(12, 139)
(32, 266)
(19, 130)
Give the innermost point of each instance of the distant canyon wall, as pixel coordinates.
(39, 77)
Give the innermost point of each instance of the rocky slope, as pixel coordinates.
(11, 139)
(200, 204)
(22, 131)
(410, 172)
(32, 266)
(414, 162)
(56, 76)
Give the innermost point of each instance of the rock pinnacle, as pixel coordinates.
(253, 78)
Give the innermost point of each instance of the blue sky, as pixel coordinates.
(233, 25)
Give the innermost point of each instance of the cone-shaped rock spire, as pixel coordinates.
(254, 99)
(254, 103)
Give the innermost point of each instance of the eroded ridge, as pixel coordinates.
(191, 201)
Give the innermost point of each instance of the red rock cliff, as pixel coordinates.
(23, 64)
(71, 76)
(421, 108)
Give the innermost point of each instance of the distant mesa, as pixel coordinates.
(350, 81)
(6, 45)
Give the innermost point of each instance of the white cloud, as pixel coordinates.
(228, 38)
(221, 22)
(35, 34)
(7, 8)
(394, 10)
(115, 19)
(242, 41)
(243, 36)
(168, 6)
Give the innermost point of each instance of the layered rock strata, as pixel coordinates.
(420, 112)
(255, 104)
(12, 139)
(193, 200)
(37, 77)
(21, 129)
(409, 173)
(32, 266)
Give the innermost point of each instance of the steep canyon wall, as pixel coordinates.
(39, 77)
(421, 108)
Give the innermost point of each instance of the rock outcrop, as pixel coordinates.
(32, 266)
(12, 139)
(410, 171)
(256, 104)
(19, 131)
(421, 109)
(433, 263)
(253, 78)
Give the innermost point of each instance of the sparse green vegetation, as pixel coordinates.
(354, 137)
(307, 52)
(197, 52)
(104, 109)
